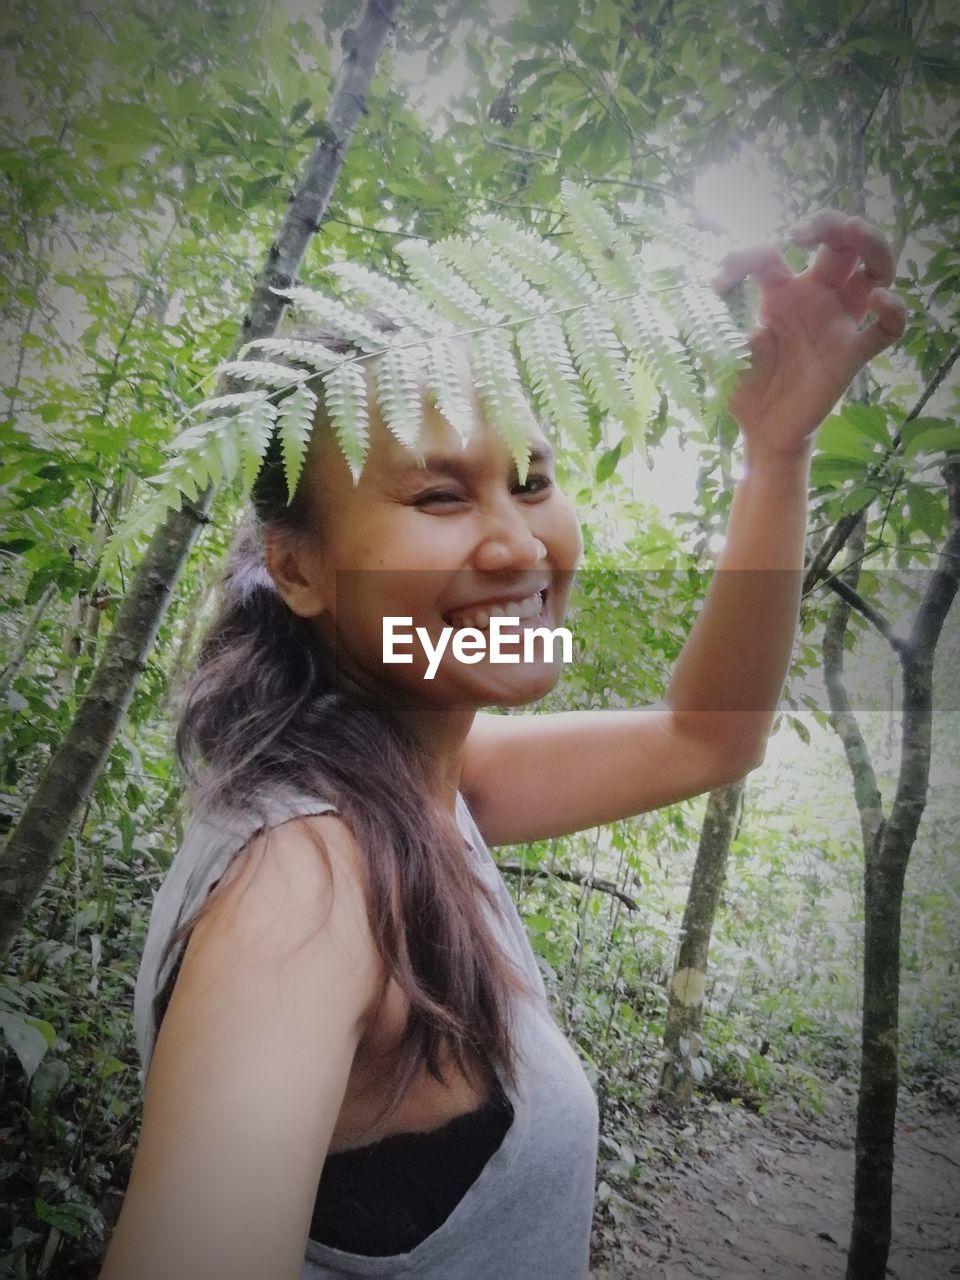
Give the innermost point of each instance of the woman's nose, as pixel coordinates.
(508, 542)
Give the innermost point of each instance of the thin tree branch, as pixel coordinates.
(10, 670)
(582, 878)
(949, 360)
(835, 541)
(519, 151)
(380, 231)
(945, 580)
(842, 716)
(864, 607)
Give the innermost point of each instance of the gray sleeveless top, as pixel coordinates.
(528, 1214)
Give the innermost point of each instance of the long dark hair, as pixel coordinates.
(263, 709)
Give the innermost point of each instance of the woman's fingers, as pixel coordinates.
(844, 241)
(890, 311)
(764, 262)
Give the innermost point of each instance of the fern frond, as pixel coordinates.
(345, 394)
(559, 275)
(223, 455)
(650, 332)
(607, 250)
(139, 522)
(404, 307)
(600, 359)
(706, 327)
(398, 392)
(295, 419)
(255, 427)
(494, 279)
(186, 475)
(495, 374)
(199, 435)
(645, 393)
(278, 376)
(445, 382)
(453, 298)
(588, 327)
(553, 378)
(234, 401)
(333, 315)
(315, 354)
(691, 246)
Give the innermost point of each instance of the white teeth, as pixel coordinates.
(530, 607)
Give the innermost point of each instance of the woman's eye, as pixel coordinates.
(535, 484)
(439, 495)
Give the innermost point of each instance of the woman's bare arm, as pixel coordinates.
(531, 777)
(251, 1067)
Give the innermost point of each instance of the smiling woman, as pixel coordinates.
(352, 1064)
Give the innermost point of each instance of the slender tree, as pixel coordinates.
(682, 1066)
(888, 839)
(35, 842)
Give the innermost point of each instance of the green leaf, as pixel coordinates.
(839, 437)
(65, 1217)
(930, 435)
(800, 729)
(29, 1038)
(870, 420)
(607, 463)
(928, 510)
(832, 472)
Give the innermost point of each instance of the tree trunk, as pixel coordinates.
(73, 770)
(681, 1038)
(877, 1099)
(887, 845)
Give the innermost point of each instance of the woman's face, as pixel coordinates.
(444, 545)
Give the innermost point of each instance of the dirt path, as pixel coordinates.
(771, 1196)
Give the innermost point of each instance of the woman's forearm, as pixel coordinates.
(728, 678)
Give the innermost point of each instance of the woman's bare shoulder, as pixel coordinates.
(297, 888)
(252, 1064)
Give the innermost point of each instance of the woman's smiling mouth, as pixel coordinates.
(529, 609)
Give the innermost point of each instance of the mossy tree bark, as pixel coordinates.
(69, 778)
(682, 1040)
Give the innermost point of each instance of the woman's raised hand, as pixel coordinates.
(810, 340)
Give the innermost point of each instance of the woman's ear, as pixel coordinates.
(297, 572)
